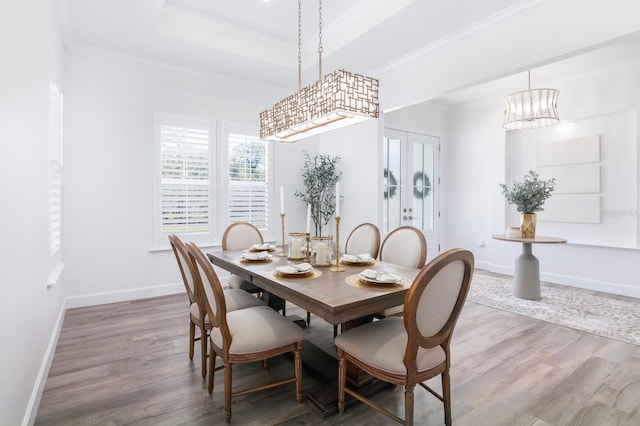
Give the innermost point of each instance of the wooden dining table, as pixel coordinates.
(339, 298)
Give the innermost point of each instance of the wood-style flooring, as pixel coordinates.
(127, 363)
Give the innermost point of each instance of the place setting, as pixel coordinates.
(374, 279)
(296, 270)
(266, 247)
(257, 256)
(364, 259)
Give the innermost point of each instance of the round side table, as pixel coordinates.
(526, 276)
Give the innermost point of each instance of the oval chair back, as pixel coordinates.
(365, 238)
(241, 235)
(405, 246)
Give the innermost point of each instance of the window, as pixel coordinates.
(248, 165)
(189, 162)
(185, 170)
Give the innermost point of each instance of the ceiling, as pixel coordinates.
(257, 39)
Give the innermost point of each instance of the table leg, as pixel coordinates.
(526, 277)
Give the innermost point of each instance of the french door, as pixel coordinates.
(411, 184)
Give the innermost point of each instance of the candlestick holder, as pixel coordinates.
(307, 258)
(337, 267)
(284, 248)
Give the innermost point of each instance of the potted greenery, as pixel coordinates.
(320, 176)
(529, 196)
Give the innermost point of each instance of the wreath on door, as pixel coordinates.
(392, 183)
(422, 189)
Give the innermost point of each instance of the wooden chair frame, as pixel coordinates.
(186, 270)
(218, 319)
(415, 340)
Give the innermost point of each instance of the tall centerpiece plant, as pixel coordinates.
(529, 196)
(319, 176)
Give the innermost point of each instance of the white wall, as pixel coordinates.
(29, 313)
(476, 162)
(108, 175)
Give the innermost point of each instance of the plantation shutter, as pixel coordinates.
(248, 198)
(55, 167)
(185, 176)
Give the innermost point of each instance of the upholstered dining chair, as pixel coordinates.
(404, 246)
(410, 350)
(364, 238)
(239, 236)
(236, 299)
(247, 335)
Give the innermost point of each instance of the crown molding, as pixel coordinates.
(81, 50)
(179, 23)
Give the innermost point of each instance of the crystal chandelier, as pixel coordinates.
(531, 109)
(337, 100)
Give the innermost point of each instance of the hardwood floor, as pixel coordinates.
(127, 363)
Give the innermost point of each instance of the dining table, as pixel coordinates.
(338, 297)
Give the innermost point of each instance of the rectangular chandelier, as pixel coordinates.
(339, 99)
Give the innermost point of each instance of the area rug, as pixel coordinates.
(596, 314)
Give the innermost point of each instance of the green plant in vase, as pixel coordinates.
(529, 196)
(320, 176)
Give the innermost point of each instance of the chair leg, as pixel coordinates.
(212, 369)
(308, 318)
(298, 369)
(227, 391)
(192, 338)
(446, 396)
(203, 350)
(408, 405)
(342, 373)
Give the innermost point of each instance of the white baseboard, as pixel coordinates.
(43, 373)
(123, 295)
(606, 287)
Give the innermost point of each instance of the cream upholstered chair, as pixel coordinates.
(410, 350)
(404, 246)
(245, 335)
(239, 236)
(365, 238)
(236, 299)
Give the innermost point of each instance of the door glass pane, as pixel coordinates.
(423, 176)
(392, 184)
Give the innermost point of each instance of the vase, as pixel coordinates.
(528, 225)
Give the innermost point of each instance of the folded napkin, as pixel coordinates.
(383, 277)
(294, 269)
(265, 246)
(259, 255)
(355, 258)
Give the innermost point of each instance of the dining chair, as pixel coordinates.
(408, 351)
(236, 299)
(239, 236)
(246, 335)
(364, 238)
(404, 246)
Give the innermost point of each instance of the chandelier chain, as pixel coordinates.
(320, 40)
